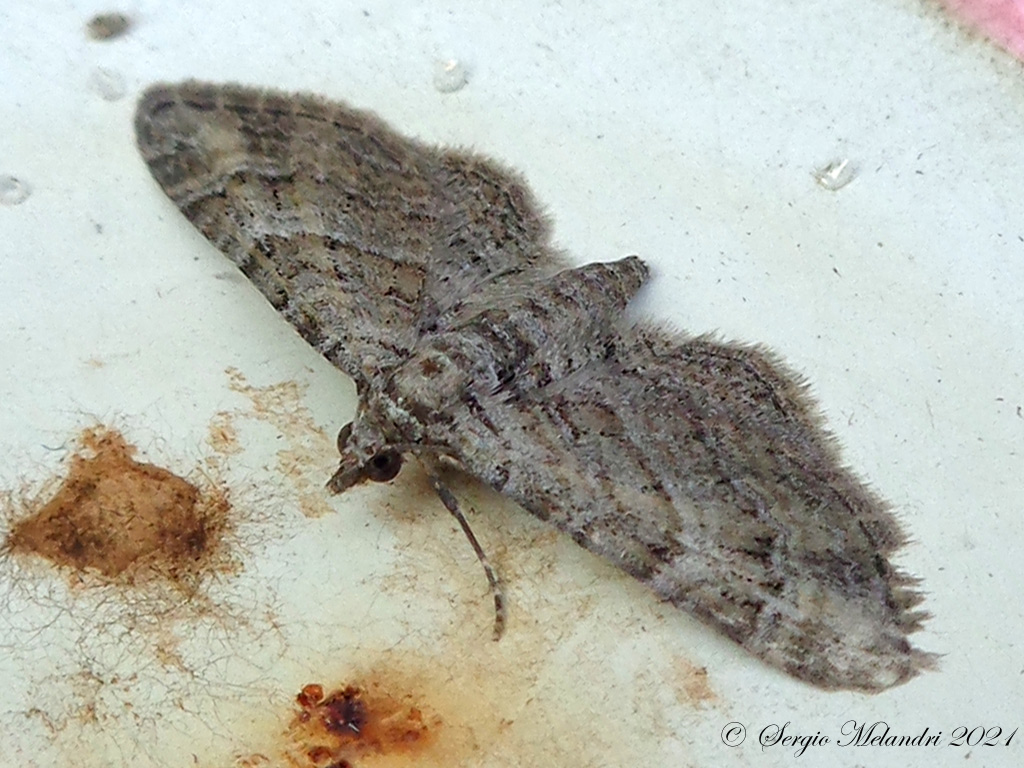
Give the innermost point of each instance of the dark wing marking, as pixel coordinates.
(358, 236)
(705, 473)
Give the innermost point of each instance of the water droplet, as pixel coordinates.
(450, 75)
(836, 174)
(107, 83)
(13, 191)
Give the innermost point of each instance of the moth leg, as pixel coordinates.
(452, 505)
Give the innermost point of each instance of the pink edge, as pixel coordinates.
(1000, 20)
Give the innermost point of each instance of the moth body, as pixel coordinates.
(700, 467)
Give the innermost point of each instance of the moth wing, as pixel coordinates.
(357, 235)
(489, 235)
(702, 469)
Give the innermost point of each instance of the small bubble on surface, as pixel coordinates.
(13, 191)
(450, 75)
(835, 174)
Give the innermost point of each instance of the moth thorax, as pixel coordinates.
(429, 381)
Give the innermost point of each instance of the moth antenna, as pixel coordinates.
(452, 505)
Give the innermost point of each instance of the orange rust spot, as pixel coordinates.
(310, 696)
(336, 729)
(319, 755)
(124, 519)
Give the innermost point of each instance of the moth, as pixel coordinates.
(699, 467)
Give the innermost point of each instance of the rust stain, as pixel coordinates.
(308, 456)
(692, 684)
(125, 520)
(222, 436)
(343, 727)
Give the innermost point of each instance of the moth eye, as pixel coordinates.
(384, 466)
(343, 435)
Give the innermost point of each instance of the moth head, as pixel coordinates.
(364, 456)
